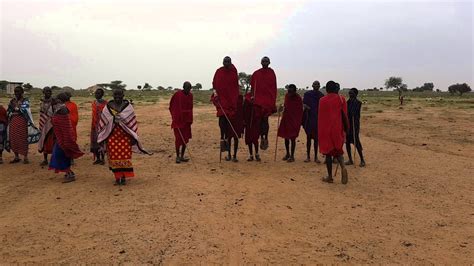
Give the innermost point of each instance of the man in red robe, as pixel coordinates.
(332, 128)
(225, 98)
(181, 109)
(289, 128)
(264, 95)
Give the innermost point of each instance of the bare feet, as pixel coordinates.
(344, 178)
(362, 164)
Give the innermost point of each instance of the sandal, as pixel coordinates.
(178, 160)
(257, 158)
(184, 160)
(250, 159)
(44, 163)
(307, 160)
(286, 157)
(328, 179)
(123, 181)
(228, 158)
(290, 160)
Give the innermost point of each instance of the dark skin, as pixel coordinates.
(353, 95)
(47, 93)
(265, 62)
(316, 86)
(99, 94)
(290, 149)
(227, 62)
(180, 153)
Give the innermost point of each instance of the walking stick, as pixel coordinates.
(185, 145)
(354, 136)
(337, 167)
(227, 118)
(276, 139)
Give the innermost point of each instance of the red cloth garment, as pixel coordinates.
(226, 84)
(331, 133)
(3, 115)
(291, 119)
(181, 109)
(74, 116)
(252, 118)
(119, 152)
(97, 108)
(237, 120)
(264, 90)
(46, 141)
(18, 134)
(63, 131)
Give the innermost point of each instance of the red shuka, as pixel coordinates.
(291, 119)
(331, 135)
(74, 116)
(3, 115)
(64, 138)
(181, 109)
(226, 84)
(96, 112)
(264, 90)
(252, 119)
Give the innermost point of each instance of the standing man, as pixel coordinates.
(97, 108)
(225, 98)
(181, 109)
(264, 95)
(46, 141)
(290, 125)
(310, 119)
(332, 129)
(353, 108)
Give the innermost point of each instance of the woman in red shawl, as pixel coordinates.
(65, 148)
(97, 107)
(289, 128)
(3, 130)
(264, 95)
(332, 128)
(181, 109)
(225, 98)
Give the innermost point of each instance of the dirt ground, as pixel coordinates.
(413, 203)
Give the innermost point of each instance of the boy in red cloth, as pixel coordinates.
(65, 148)
(264, 95)
(289, 128)
(332, 128)
(46, 142)
(181, 109)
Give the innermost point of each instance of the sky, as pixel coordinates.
(80, 43)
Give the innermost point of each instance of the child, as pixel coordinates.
(353, 109)
(97, 107)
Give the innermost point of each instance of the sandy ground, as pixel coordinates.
(413, 203)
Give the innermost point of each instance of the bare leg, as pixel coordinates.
(349, 153)
(316, 150)
(328, 178)
(308, 148)
(178, 158)
(293, 147)
(344, 176)
(287, 147)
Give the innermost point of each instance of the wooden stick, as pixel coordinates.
(276, 138)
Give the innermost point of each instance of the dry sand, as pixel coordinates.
(413, 203)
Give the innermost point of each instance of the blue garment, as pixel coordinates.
(310, 117)
(59, 161)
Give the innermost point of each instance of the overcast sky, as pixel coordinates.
(79, 43)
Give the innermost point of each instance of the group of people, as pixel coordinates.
(113, 131)
(328, 120)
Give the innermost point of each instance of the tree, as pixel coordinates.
(27, 86)
(244, 81)
(147, 87)
(160, 88)
(197, 87)
(459, 88)
(396, 83)
(426, 87)
(116, 84)
(169, 88)
(139, 87)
